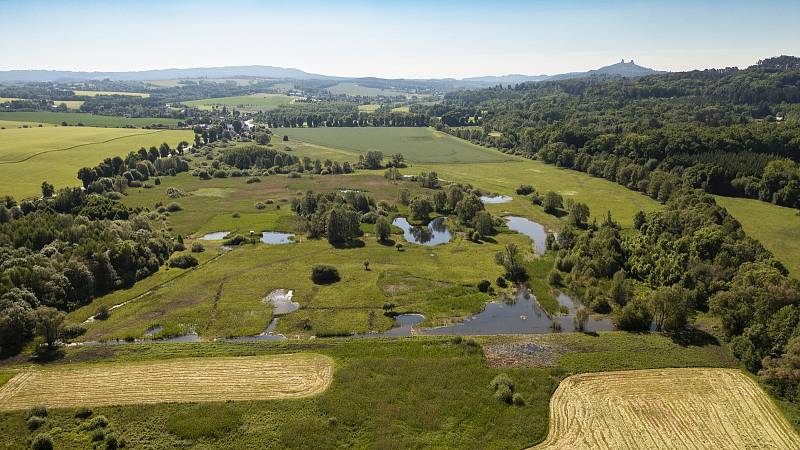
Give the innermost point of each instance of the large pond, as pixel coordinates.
(533, 230)
(215, 236)
(276, 238)
(520, 314)
(281, 300)
(434, 234)
(490, 199)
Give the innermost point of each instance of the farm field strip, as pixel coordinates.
(26, 156)
(665, 409)
(285, 376)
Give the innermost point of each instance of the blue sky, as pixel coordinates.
(394, 38)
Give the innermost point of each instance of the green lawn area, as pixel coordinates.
(87, 119)
(427, 392)
(419, 145)
(353, 89)
(29, 156)
(776, 227)
(254, 102)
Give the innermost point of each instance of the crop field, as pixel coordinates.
(6, 124)
(777, 227)
(353, 89)
(665, 409)
(178, 380)
(31, 155)
(419, 145)
(86, 119)
(96, 93)
(254, 102)
(70, 104)
(369, 108)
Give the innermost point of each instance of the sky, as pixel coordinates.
(394, 39)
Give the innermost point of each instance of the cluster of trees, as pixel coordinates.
(64, 251)
(730, 131)
(337, 114)
(257, 157)
(116, 174)
(338, 215)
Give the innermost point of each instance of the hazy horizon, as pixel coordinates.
(411, 39)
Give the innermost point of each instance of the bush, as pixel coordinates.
(42, 442)
(72, 331)
(554, 278)
(294, 175)
(503, 393)
(83, 412)
(35, 422)
(252, 180)
(323, 274)
(502, 380)
(183, 261)
(581, 318)
(518, 400)
(555, 326)
(635, 316)
(173, 192)
(501, 282)
(236, 239)
(260, 205)
(112, 443)
(179, 247)
(95, 423)
(197, 247)
(37, 411)
(236, 215)
(174, 207)
(484, 285)
(98, 435)
(525, 189)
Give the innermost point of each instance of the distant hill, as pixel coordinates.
(505, 79)
(162, 74)
(620, 69)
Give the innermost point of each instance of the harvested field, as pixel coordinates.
(665, 409)
(178, 380)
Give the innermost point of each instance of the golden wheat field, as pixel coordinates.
(177, 380)
(665, 409)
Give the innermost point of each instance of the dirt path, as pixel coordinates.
(176, 380)
(665, 409)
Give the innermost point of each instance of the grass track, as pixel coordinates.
(665, 409)
(270, 377)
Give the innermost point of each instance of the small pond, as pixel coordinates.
(277, 238)
(281, 300)
(490, 199)
(520, 314)
(434, 234)
(533, 230)
(215, 236)
(267, 335)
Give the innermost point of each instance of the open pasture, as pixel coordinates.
(8, 124)
(248, 103)
(776, 227)
(29, 156)
(269, 377)
(418, 145)
(666, 409)
(96, 93)
(353, 90)
(86, 119)
(70, 104)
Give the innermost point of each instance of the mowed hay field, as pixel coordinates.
(266, 377)
(250, 103)
(419, 145)
(86, 119)
(29, 156)
(665, 409)
(776, 227)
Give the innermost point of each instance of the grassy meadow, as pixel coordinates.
(418, 145)
(403, 400)
(86, 119)
(6, 124)
(247, 103)
(70, 104)
(96, 93)
(29, 156)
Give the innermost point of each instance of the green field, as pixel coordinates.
(249, 103)
(6, 124)
(96, 93)
(86, 119)
(406, 393)
(419, 145)
(30, 156)
(372, 107)
(776, 227)
(353, 89)
(70, 104)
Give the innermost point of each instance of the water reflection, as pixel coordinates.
(434, 234)
(277, 238)
(215, 236)
(533, 230)
(491, 199)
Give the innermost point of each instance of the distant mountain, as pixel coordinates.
(620, 69)
(506, 79)
(162, 74)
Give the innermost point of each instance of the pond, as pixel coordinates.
(277, 238)
(434, 234)
(281, 300)
(215, 236)
(267, 335)
(520, 314)
(491, 199)
(533, 230)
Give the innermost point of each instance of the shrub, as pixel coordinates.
(95, 423)
(581, 317)
(518, 400)
(332, 421)
(503, 393)
(484, 285)
(98, 435)
(324, 274)
(112, 443)
(174, 207)
(220, 174)
(179, 247)
(555, 326)
(554, 278)
(236, 215)
(635, 316)
(35, 422)
(260, 205)
(294, 175)
(173, 192)
(197, 247)
(37, 411)
(525, 189)
(183, 261)
(72, 331)
(83, 412)
(502, 379)
(252, 180)
(476, 237)
(236, 239)
(501, 282)
(42, 442)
